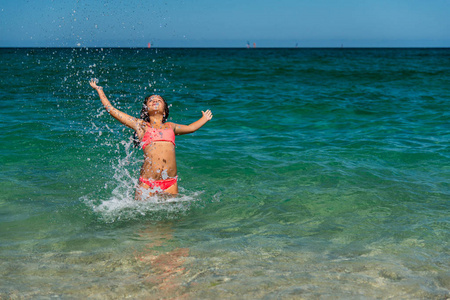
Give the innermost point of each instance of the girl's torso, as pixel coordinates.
(159, 153)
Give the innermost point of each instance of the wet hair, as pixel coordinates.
(144, 116)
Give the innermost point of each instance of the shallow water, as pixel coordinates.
(323, 174)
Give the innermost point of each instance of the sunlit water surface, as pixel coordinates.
(323, 174)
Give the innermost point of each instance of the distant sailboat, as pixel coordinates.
(248, 45)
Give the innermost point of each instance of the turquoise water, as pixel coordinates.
(325, 173)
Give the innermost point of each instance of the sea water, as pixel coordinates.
(324, 173)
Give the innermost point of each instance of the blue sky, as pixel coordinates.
(226, 23)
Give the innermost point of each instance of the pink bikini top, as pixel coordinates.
(158, 135)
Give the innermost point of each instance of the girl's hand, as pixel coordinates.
(94, 85)
(207, 115)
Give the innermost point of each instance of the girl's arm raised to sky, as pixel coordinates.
(185, 129)
(122, 117)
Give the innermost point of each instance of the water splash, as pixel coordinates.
(120, 203)
(119, 208)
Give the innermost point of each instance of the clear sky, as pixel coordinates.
(225, 23)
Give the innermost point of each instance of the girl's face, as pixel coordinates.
(155, 104)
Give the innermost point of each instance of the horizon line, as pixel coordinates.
(224, 47)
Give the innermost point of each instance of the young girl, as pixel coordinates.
(157, 138)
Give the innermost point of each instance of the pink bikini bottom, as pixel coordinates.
(162, 184)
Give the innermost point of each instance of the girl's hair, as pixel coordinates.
(144, 116)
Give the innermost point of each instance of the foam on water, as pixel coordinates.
(123, 207)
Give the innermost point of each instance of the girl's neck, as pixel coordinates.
(156, 121)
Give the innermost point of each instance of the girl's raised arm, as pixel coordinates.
(185, 129)
(122, 117)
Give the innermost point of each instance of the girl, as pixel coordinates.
(157, 138)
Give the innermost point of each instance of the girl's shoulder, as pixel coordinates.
(171, 125)
(142, 124)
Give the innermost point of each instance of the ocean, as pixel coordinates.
(324, 174)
